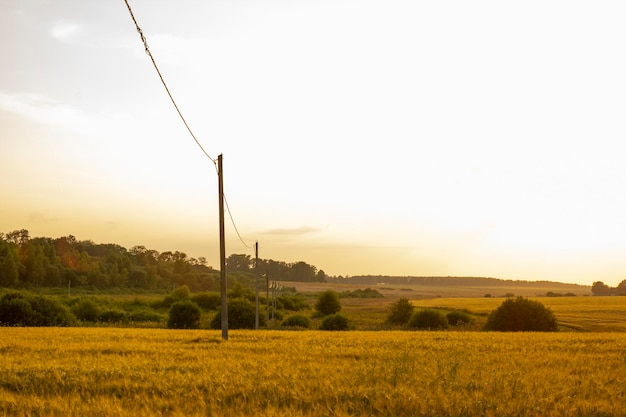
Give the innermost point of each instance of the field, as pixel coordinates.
(158, 372)
(114, 371)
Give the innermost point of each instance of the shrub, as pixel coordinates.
(336, 321)
(400, 312)
(181, 293)
(15, 311)
(208, 300)
(328, 303)
(521, 314)
(428, 319)
(86, 310)
(113, 316)
(49, 312)
(241, 315)
(297, 320)
(359, 293)
(458, 317)
(292, 302)
(184, 315)
(144, 315)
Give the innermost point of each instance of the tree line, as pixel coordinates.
(600, 288)
(27, 261)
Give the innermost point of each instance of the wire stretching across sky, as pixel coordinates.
(145, 44)
(156, 67)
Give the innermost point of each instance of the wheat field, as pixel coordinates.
(159, 372)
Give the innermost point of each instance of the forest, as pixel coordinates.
(27, 261)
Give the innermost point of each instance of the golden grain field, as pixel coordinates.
(159, 372)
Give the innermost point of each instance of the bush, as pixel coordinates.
(49, 312)
(428, 319)
(336, 321)
(143, 315)
(458, 317)
(208, 300)
(400, 312)
(86, 310)
(521, 315)
(113, 316)
(297, 320)
(184, 315)
(359, 293)
(241, 315)
(17, 309)
(181, 293)
(293, 302)
(328, 303)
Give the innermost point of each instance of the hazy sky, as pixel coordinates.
(482, 138)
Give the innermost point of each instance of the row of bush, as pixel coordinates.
(514, 314)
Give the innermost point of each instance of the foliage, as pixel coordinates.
(400, 312)
(113, 316)
(600, 288)
(428, 319)
(521, 314)
(336, 321)
(27, 261)
(328, 303)
(17, 309)
(292, 302)
(457, 317)
(241, 315)
(297, 320)
(87, 310)
(239, 291)
(184, 315)
(359, 293)
(208, 300)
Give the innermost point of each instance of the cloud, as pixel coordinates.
(44, 110)
(66, 31)
(303, 230)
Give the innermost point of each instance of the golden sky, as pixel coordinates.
(363, 137)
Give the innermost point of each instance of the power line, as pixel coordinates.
(145, 44)
(147, 49)
(234, 225)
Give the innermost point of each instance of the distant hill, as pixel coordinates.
(461, 286)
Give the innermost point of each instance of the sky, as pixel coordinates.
(364, 137)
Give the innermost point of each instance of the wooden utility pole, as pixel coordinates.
(256, 265)
(220, 175)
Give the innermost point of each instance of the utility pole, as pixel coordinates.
(256, 265)
(220, 175)
(267, 295)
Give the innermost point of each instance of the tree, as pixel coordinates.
(184, 315)
(328, 303)
(428, 319)
(241, 315)
(400, 312)
(238, 263)
(9, 272)
(521, 315)
(600, 288)
(301, 271)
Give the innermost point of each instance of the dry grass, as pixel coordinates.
(590, 314)
(148, 372)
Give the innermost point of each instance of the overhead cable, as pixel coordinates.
(145, 44)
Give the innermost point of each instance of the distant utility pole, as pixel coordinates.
(220, 175)
(256, 267)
